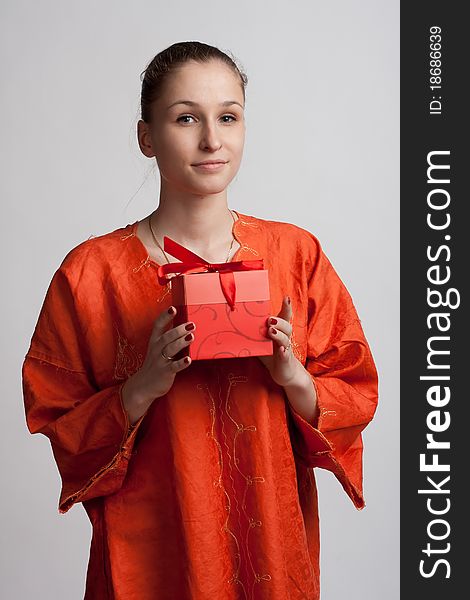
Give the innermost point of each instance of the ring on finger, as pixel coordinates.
(165, 356)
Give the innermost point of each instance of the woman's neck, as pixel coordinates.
(202, 224)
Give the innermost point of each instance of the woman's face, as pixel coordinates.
(198, 117)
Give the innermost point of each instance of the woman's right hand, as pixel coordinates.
(157, 374)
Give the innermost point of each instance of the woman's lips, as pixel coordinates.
(210, 166)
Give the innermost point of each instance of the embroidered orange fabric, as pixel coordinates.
(212, 493)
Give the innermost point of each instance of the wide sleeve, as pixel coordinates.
(340, 363)
(88, 428)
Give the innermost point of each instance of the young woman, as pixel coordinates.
(198, 476)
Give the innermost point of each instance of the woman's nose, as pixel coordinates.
(210, 138)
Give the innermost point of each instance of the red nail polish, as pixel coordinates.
(288, 299)
(273, 330)
(171, 310)
(189, 326)
(187, 359)
(189, 337)
(273, 321)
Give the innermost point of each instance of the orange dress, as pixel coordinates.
(211, 495)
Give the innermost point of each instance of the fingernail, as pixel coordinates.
(288, 299)
(187, 360)
(171, 310)
(189, 337)
(272, 321)
(273, 330)
(189, 326)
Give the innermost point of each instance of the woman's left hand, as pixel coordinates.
(283, 366)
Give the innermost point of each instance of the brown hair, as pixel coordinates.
(154, 76)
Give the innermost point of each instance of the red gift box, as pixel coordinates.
(228, 302)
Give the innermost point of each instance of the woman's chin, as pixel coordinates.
(209, 187)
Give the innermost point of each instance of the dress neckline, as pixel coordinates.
(139, 243)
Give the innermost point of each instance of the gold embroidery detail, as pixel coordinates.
(266, 577)
(218, 483)
(249, 249)
(245, 247)
(144, 263)
(126, 236)
(128, 360)
(248, 223)
(249, 479)
(234, 380)
(296, 348)
(166, 292)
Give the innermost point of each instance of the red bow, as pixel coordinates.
(192, 263)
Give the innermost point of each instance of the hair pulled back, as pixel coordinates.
(166, 61)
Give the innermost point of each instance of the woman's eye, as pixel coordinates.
(184, 117)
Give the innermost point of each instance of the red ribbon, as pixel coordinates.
(192, 263)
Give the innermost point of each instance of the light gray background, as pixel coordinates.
(321, 151)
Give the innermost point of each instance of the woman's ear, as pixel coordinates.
(144, 139)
